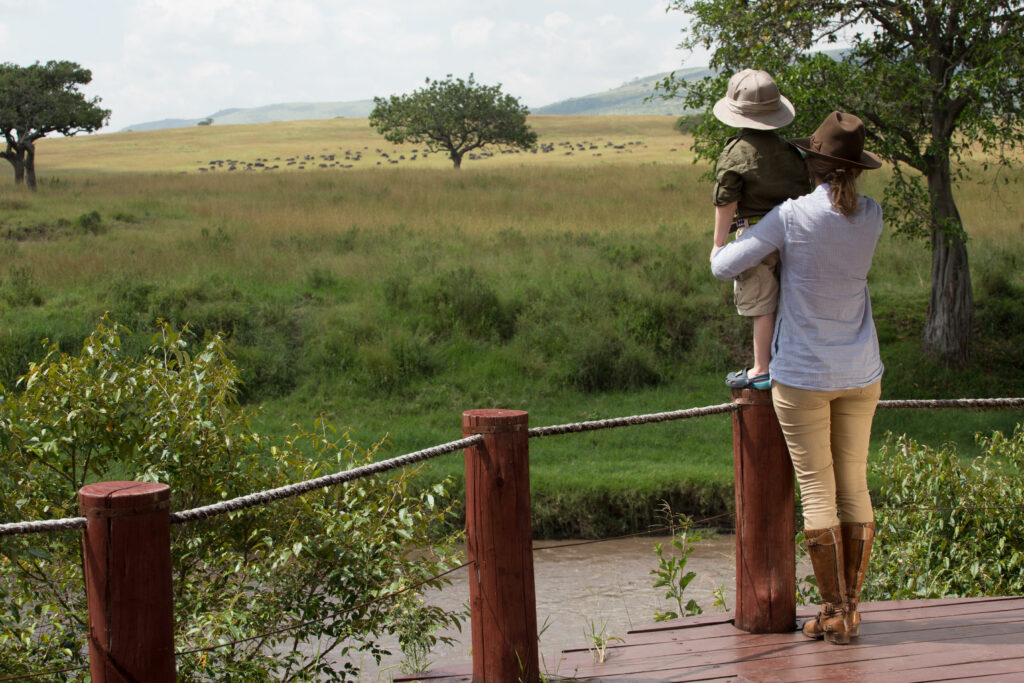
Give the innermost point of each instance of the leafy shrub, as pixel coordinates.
(601, 360)
(125, 217)
(90, 223)
(686, 123)
(321, 278)
(216, 239)
(463, 300)
(21, 287)
(172, 416)
(397, 359)
(264, 336)
(962, 532)
(671, 573)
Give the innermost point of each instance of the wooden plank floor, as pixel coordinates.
(904, 642)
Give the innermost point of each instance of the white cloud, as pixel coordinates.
(473, 33)
(556, 20)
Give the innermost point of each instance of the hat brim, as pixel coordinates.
(868, 160)
(769, 120)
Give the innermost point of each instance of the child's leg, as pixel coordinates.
(764, 328)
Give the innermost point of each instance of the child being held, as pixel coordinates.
(757, 170)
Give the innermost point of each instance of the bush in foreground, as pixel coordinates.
(949, 528)
(305, 570)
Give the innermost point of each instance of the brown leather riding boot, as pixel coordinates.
(857, 539)
(825, 548)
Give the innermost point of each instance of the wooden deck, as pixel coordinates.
(918, 640)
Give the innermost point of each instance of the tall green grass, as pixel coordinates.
(389, 300)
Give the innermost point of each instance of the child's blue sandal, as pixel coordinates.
(742, 380)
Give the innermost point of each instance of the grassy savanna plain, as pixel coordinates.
(388, 293)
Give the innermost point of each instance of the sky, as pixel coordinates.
(158, 59)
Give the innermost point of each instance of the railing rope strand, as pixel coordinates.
(302, 487)
(594, 425)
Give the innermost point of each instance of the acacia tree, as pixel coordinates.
(454, 115)
(936, 81)
(41, 99)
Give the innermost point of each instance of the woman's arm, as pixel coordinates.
(748, 250)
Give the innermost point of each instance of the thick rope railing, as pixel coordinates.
(263, 497)
(19, 528)
(291, 490)
(611, 423)
(952, 403)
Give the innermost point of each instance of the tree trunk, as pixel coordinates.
(30, 168)
(19, 167)
(456, 160)
(949, 326)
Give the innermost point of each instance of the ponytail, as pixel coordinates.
(842, 184)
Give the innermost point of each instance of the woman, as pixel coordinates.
(825, 368)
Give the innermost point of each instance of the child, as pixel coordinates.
(757, 170)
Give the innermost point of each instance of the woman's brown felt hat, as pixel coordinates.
(840, 138)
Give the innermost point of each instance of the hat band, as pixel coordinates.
(740, 107)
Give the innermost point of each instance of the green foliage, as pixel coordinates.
(972, 544)
(687, 123)
(598, 640)
(397, 359)
(41, 99)
(21, 287)
(671, 573)
(319, 562)
(454, 115)
(601, 359)
(90, 223)
(462, 301)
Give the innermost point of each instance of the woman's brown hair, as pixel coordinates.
(842, 183)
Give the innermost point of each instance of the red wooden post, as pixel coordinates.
(127, 556)
(499, 542)
(765, 529)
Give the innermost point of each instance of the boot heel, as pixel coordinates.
(837, 638)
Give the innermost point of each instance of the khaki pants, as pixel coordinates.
(828, 434)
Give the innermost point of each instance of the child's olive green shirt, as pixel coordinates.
(759, 169)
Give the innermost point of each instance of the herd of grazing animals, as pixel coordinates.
(349, 158)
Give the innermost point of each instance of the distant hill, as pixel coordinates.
(288, 111)
(626, 100)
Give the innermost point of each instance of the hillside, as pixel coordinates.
(270, 113)
(629, 99)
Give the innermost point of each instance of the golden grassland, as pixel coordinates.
(648, 182)
(188, 149)
(638, 178)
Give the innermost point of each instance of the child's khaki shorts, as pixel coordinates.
(756, 290)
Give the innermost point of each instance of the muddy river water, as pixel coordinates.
(582, 587)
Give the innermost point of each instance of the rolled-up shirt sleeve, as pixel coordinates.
(752, 247)
(728, 188)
